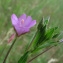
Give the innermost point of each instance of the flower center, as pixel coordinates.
(21, 22)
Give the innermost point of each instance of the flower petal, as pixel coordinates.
(21, 30)
(14, 19)
(23, 16)
(32, 23)
(28, 20)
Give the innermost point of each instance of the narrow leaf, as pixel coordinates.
(55, 35)
(23, 59)
(49, 33)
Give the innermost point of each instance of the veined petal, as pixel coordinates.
(32, 23)
(14, 19)
(28, 20)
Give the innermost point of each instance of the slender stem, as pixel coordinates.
(31, 41)
(39, 54)
(9, 50)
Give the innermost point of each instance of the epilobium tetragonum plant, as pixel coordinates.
(21, 25)
(43, 38)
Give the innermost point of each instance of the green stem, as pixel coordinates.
(9, 50)
(31, 41)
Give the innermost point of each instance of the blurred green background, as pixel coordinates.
(37, 9)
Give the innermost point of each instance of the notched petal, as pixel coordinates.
(28, 20)
(32, 23)
(14, 19)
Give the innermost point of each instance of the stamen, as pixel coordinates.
(22, 21)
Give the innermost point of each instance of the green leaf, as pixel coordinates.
(55, 35)
(50, 32)
(41, 29)
(45, 45)
(36, 39)
(40, 25)
(39, 35)
(42, 38)
(46, 21)
(23, 59)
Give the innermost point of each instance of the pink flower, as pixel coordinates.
(22, 24)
